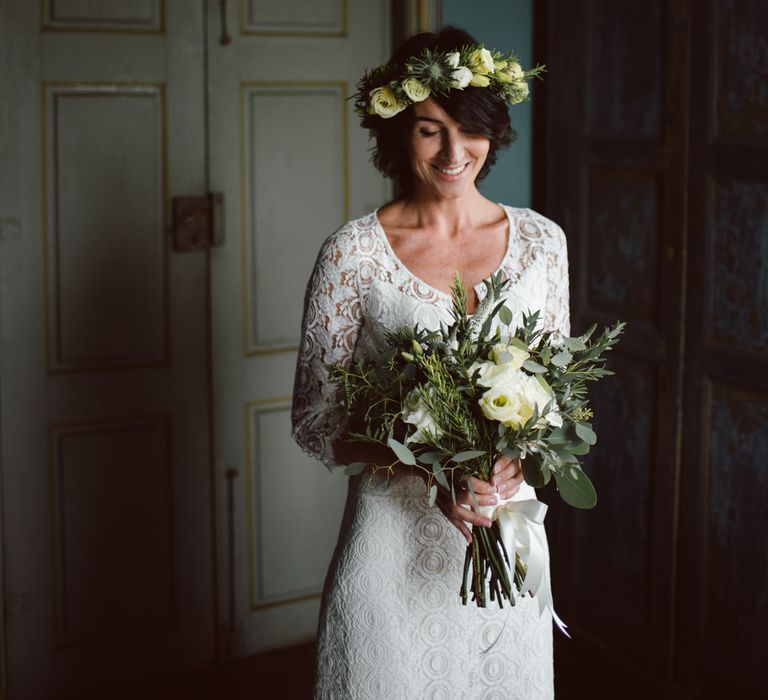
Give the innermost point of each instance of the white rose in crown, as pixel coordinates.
(416, 90)
(461, 77)
(384, 102)
(481, 61)
(415, 412)
(512, 396)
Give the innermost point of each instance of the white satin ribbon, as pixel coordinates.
(521, 524)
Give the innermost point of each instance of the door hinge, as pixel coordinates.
(198, 222)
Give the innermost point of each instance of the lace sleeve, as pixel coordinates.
(558, 296)
(329, 333)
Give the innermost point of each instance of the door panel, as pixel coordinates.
(106, 482)
(657, 166)
(615, 180)
(287, 152)
(723, 610)
(104, 144)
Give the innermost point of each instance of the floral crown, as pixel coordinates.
(389, 89)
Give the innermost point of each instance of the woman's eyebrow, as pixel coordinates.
(428, 119)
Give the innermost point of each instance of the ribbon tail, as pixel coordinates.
(521, 524)
(545, 593)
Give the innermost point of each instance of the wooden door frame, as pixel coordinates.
(5, 98)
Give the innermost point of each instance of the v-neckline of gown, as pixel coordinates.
(439, 292)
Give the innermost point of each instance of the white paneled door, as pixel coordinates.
(287, 152)
(124, 555)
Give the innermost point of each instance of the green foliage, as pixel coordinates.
(438, 371)
(437, 366)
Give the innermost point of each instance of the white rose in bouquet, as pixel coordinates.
(512, 396)
(415, 412)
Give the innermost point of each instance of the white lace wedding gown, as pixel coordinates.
(392, 624)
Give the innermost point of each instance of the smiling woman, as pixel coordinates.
(392, 623)
(478, 110)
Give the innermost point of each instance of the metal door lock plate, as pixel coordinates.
(198, 222)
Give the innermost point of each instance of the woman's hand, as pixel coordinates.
(506, 480)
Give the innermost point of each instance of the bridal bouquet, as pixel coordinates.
(451, 401)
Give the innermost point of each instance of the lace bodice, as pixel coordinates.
(359, 289)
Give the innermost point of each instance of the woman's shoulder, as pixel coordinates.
(351, 239)
(533, 225)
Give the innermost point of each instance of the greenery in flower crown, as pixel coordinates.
(389, 89)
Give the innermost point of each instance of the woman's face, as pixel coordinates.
(445, 158)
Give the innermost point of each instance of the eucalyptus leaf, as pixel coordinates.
(401, 451)
(467, 455)
(575, 487)
(574, 344)
(437, 470)
(430, 457)
(559, 436)
(585, 432)
(511, 452)
(562, 358)
(355, 468)
(581, 448)
(486, 327)
(544, 385)
(533, 472)
(589, 332)
(534, 367)
(519, 344)
(566, 457)
(432, 495)
(546, 355)
(505, 315)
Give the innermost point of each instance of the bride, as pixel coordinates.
(392, 624)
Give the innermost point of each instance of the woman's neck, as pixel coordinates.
(446, 216)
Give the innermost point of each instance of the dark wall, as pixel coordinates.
(653, 155)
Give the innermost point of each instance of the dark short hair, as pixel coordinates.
(478, 110)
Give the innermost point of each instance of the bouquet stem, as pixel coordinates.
(490, 565)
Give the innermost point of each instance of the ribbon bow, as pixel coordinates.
(521, 524)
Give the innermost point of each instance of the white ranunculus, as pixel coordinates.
(415, 413)
(453, 59)
(512, 396)
(384, 102)
(461, 77)
(415, 89)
